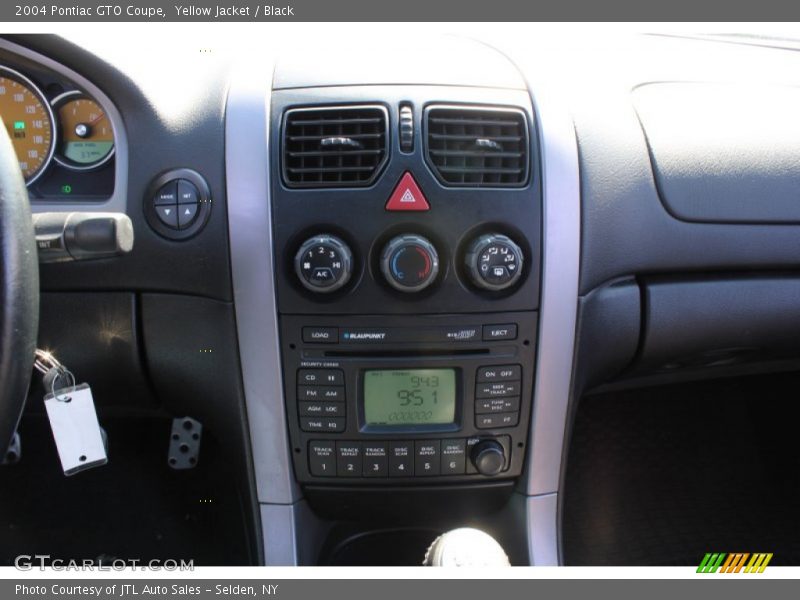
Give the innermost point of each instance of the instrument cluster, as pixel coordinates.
(63, 138)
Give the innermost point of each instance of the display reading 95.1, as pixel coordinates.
(410, 397)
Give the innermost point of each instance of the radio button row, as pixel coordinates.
(376, 463)
(496, 420)
(496, 405)
(499, 373)
(320, 377)
(401, 460)
(348, 459)
(325, 409)
(497, 390)
(322, 424)
(320, 392)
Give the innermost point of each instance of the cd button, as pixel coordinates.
(497, 390)
(320, 377)
(322, 459)
(376, 462)
(499, 332)
(496, 405)
(496, 420)
(320, 335)
(454, 456)
(401, 461)
(427, 458)
(348, 459)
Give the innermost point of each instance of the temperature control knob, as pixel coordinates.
(323, 264)
(488, 457)
(409, 263)
(494, 262)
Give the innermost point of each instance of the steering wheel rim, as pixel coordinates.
(19, 292)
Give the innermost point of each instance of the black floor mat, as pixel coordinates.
(135, 507)
(661, 476)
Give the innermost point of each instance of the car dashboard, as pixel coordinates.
(383, 281)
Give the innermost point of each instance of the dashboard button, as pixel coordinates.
(321, 409)
(401, 461)
(168, 215)
(496, 405)
(499, 332)
(500, 373)
(498, 389)
(348, 459)
(320, 377)
(427, 458)
(496, 420)
(454, 457)
(376, 462)
(322, 459)
(320, 392)
(187, 213)
(166, 194)
(322, 424)
(321, 335)
(187, 192)
(407, 196)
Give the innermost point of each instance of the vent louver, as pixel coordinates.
(477, 147)
(334, 146)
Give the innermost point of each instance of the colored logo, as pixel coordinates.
(736, 562)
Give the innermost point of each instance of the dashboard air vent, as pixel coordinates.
(477, 147)
(334, 146)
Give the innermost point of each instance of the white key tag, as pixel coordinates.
(76, 430)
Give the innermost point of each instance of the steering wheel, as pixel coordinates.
(19, 292)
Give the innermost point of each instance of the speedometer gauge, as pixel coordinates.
(29, 121)
(86, 138)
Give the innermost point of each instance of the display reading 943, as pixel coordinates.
(410, 397)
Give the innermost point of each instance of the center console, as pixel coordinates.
(407, 231)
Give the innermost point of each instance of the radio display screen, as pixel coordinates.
(410, 397)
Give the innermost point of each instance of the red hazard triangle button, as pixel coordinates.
(407, 195)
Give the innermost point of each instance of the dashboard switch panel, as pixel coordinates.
(178, 204)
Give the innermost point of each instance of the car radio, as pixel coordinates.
(442, 398)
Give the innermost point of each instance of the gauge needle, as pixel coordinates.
(96, 119)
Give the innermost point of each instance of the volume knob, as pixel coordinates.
(488, 457)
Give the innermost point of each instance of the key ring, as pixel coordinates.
(45, 363)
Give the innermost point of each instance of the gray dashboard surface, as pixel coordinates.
(724, 152)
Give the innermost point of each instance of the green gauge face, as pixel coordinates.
(87, 138)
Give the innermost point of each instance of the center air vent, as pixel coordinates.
(334, 146)
(477, 147)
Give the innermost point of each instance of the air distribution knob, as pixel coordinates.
(488, 457)
(494, 262)
(323, 264)
(409, 263)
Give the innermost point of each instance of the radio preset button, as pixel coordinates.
(427, 458)
(496, 420)
(320, 377)
(320, 392)
(498, 389)
(499, 332)
(322, 424)
(401, 459)
(454, 455)
(321, 335)
(348, 459)
(376, 462)
(496, 405)
(322, 459)
(500, 373)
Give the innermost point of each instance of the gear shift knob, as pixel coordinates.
(465, 547)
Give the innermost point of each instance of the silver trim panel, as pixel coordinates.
(557, 320)
(119, 199)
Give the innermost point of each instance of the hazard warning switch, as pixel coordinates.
(407, 195)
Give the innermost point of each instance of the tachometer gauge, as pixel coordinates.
(86, 138)
(29, 121)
